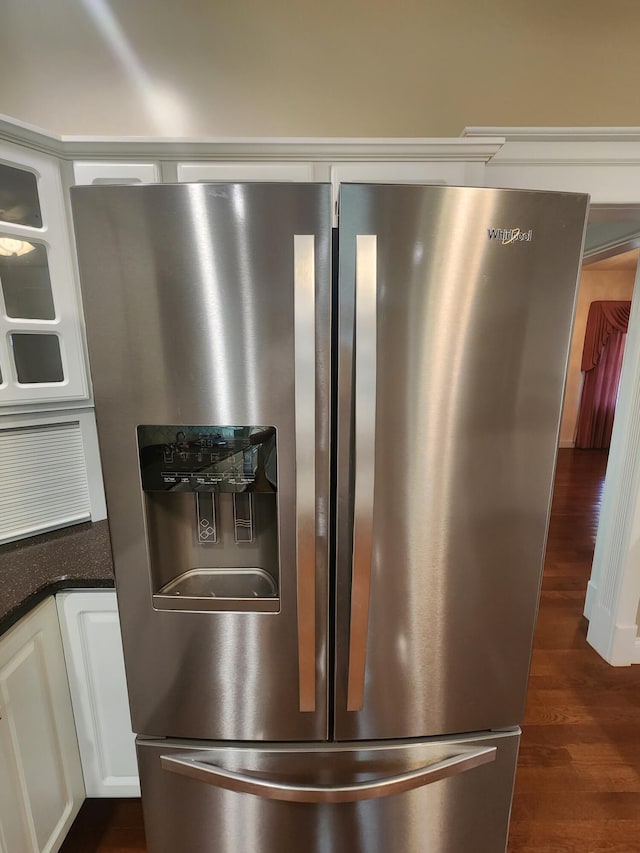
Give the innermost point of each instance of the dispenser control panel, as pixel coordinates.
(208, 458)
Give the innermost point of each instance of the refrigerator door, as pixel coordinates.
(445, 796)
(208, 319)
(455, 313)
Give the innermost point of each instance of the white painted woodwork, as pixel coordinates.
(44, 480)
(51, 473)
(245, 171)
(451, 173)
(442, 173)
(55, 236)
(116, 172)
(41, 785)
(93, 649)
(614, 588)
(215, 148)
(604, 162)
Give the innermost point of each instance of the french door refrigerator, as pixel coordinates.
(328, 492)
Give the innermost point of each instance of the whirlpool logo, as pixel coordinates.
(510, 235)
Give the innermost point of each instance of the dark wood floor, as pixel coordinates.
(578, 782)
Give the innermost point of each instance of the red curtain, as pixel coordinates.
(604, 341)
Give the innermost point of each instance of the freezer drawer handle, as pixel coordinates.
(212, 774)
(365, 451)
(305, 429)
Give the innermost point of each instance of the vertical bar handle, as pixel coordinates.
(305, 437)
(365, 446)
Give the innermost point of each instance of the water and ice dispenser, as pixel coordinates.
(210, 496)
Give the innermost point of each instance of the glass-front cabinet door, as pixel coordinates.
(41, 354)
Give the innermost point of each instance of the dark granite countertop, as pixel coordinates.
(32, 569)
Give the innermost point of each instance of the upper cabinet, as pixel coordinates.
(446, 173)
(233, 170)
(43, 362)
(41, 352)
(453, 172)
(116, 172)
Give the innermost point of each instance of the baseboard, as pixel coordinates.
(566, 445)
(617, 644)
(590, 599)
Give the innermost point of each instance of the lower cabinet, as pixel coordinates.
(95, 666)
(41, 785)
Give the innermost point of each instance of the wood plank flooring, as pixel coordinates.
(578, 782)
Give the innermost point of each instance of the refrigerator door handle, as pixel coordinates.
(212, 774)
(365, 446)
(305, 438)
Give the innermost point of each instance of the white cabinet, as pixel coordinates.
(224, 170)
(41, 787)
(94, 172)
(93, 650)
(438, 172)
(449, 173)
(42, 358)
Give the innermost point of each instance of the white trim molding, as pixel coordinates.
(478, 149)
(604, 162)
(556, 134)
(613, 594)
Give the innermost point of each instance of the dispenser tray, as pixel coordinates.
(219, 589)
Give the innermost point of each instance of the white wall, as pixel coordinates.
(330, 68)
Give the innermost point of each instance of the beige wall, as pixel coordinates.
(594, 285)
(329, 68)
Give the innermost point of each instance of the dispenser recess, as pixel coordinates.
(210, 497)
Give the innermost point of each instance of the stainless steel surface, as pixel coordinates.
(472, 341)
(365, 368)
(210, 304)
(305, 425)
(189, 300)
(464, 813)
(197, 767)
(220, 589)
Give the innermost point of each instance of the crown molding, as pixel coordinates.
(564, 146)
(556, 134)
(287, 148)
(479, 149)
(29, 136)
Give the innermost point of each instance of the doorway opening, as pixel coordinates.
(612, 251)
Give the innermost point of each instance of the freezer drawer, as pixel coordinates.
(436, 796)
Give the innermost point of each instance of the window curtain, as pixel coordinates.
(604, 341)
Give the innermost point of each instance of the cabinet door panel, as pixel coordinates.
(245, 171)
(91, 172)
(40, 313)
(93, 650)
(37, 736)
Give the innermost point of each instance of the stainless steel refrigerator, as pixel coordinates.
(328, 460)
